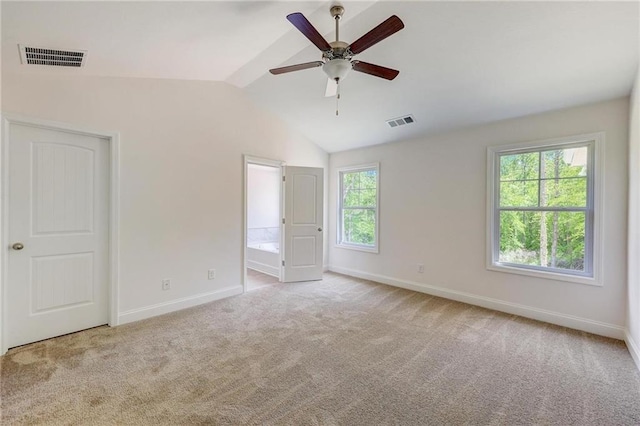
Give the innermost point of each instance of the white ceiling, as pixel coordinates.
(461, 63)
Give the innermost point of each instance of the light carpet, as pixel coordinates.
(341, 351)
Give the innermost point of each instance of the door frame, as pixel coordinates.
(113, 139)
(248, 159)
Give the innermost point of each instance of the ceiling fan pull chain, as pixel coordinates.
(337, 95)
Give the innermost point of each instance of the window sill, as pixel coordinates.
(544, 274)
(358, 248)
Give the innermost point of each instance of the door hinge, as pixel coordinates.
(283, 263)
(283, 220)
(283, 178)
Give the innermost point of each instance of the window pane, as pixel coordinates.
(368, 197)
(549, 239)
(564, 192)
(519, 166)
(569, 162)
(358, 226)
(359, 189)
(519, 193)
(351, 198)
(368, 179)
(360, 198)
(350, 181)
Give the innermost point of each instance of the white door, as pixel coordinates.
(303, 233)
(58, 216)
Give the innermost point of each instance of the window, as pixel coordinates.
(542, 208)
(358, 208)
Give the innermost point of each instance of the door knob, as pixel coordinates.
(17, 246)
(319, 229)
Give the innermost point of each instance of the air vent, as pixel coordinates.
(52, 57)
(401, 121)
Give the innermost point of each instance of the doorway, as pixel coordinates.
(60, 230)
(295, 236)
(263, 223)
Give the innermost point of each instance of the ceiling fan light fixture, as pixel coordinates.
(337, 69)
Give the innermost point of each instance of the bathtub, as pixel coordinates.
(264, 257)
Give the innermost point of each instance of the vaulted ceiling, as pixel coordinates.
(461, 63)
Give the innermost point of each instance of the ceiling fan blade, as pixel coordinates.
(391, 26)
(377, 70)
(304, 26)
(297, 67)
(332, 88)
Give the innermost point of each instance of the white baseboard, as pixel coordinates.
(265, 269)
(570, 321)
(633, 347)
(176, 305)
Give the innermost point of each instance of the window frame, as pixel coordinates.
(593, 214)
(339, 225)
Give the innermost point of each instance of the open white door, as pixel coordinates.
(303, 236)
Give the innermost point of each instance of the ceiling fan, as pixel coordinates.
(337, 56)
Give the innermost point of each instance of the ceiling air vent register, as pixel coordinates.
(52, 57)
(401, 121)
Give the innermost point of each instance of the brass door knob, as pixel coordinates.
(319, 229)
(17, 246)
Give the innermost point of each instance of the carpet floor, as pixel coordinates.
(341, 351)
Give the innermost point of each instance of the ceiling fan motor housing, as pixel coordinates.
(339, 50)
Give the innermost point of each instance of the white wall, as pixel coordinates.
(433, 211)
(263, 196)
(633, 306)
(181, 165)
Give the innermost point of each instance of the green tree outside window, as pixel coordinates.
(542, 207)
(358, 207)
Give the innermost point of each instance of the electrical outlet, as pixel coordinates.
(212, 274)
(420, 268)
(166, 284)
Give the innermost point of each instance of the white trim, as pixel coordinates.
(357, 247)
(5, 232)
(113, 139)
(597, 180)
(633, 348)
(264, 268)
(549, 275)
(351, 246)
(248, 159)
(570, 321)
(176, 305)
(114, 231)
(263, 161)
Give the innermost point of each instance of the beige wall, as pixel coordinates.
(181, 170)
(633, 305)
(433, 211)
(181, 193)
